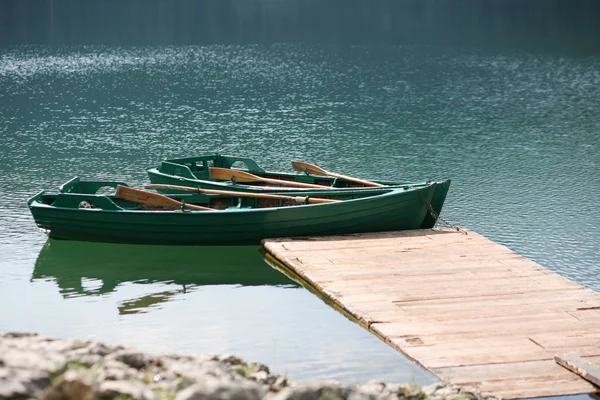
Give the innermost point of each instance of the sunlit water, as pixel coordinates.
(516, 132)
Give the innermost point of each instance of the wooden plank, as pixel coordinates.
(588, 371)
(581, 298)
(553, 342)
(414, 245)
(401, 294)
(469, 276)
(517, 380)
(511, 326)
(405, 284)
(589, 314)
(504, 371)
(594, 360)
(385, 313)
(369, 260)
(465, 311)
(533, 387)
(439, 356)
(470, 310)
(560, 338)
(440, 255)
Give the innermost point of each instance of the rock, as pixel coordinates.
(34, 366)
(87, 359)
(216, 389)
(116, 370)
(14, 389)
(431, 389)
(22, 384)
(68, 390)
(178, 384)
(18, 358)
(280, 383)
(115, 374)
(134, 360)
(259, 376)
(19, 383)
(112, 389)
(260, 367)
(373, 387)
(228, 359)
(99, 349)
(318, 391)
(411, 392)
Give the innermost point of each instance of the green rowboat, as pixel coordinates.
(77, 212)
(199, 172)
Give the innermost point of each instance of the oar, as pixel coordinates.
(226, 174)
(153, 199)
(302, 166)
(299, 199)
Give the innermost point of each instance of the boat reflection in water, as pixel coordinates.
(91, 269)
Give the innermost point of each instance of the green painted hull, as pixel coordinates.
(193, 172)
(118, 221)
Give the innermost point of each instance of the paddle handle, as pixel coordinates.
(315, 170)
(153, 199)
(246, 177)
(310, 200)
(296, 184)
(350, 178)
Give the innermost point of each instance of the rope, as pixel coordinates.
(437, 218)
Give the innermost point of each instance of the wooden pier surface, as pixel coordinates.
(470, 310)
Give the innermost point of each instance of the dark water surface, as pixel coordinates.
(517, 131)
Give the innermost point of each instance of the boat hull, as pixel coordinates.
(395, 210)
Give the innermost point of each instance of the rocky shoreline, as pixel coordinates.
(38, 367)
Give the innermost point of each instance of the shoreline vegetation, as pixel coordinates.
(36, 366)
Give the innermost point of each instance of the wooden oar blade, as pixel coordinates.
(302, 166)
(361, 181)
(152, 199)
(227, 174)
(143, 197)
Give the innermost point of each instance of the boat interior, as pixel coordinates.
(76, 194)
(199, 168)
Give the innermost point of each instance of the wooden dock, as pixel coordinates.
(469, 310)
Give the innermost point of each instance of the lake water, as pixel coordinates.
(517, 131)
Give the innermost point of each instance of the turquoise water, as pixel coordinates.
(516, 131)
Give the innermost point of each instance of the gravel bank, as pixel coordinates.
(34, 366)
